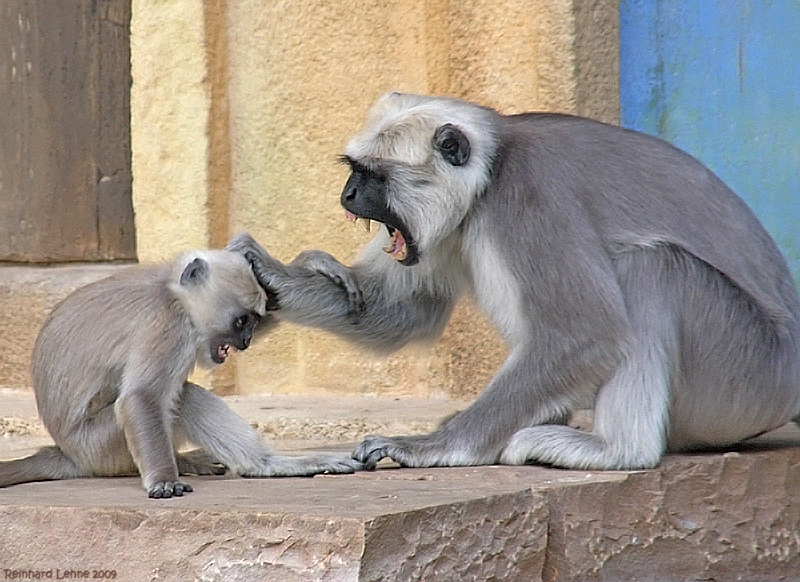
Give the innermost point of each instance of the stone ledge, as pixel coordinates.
(728, 516)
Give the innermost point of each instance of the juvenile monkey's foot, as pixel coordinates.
(167, 489)
(281, 466)
(198, 462)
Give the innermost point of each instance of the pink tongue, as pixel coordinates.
(399, 241)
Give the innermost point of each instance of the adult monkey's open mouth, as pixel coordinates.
(365, 196)
(400, 247)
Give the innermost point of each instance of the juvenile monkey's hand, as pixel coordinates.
(326, 265)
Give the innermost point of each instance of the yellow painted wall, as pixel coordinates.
(169, 114)
(239, 110)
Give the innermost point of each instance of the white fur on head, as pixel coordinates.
(230, 285)
(429, 194)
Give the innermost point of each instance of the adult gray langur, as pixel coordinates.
(618, 270)
(110, 369)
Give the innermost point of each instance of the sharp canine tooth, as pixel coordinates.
(367, 224)
(390, 247)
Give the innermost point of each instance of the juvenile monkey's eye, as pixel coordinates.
(240, 322)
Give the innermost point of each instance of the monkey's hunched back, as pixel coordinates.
(618, 269)
(675, 201)
(104, 326)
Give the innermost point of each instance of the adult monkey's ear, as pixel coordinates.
(452, 144)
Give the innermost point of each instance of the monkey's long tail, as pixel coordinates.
(47, 464)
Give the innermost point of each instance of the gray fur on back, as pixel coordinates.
(618, 269)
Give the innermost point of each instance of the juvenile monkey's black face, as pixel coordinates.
(236, 338)
(365, 196)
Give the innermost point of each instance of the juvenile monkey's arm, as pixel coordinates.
(143, 420)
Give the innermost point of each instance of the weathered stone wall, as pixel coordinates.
(239, 110)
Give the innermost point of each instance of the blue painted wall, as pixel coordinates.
(720, 79)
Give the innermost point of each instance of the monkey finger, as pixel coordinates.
(168, 489)
(238, 241)
(371, 450)
(372, 460)
(367, 463)
(158, 492)
(326, 265)
(243, 242)
(264, 276)
(354, 296)
(180, 488)
(257, 256)
(357, 305)
(355, 300)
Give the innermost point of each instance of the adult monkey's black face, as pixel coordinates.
(418, 173)
(365, 196)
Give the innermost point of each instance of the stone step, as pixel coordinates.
(715, 516)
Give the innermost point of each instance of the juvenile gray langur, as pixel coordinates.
(110, 369)
(618, 270)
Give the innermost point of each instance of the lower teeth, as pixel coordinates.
(400, 255)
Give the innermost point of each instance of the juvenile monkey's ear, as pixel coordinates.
(195, 273)
(452, 144)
